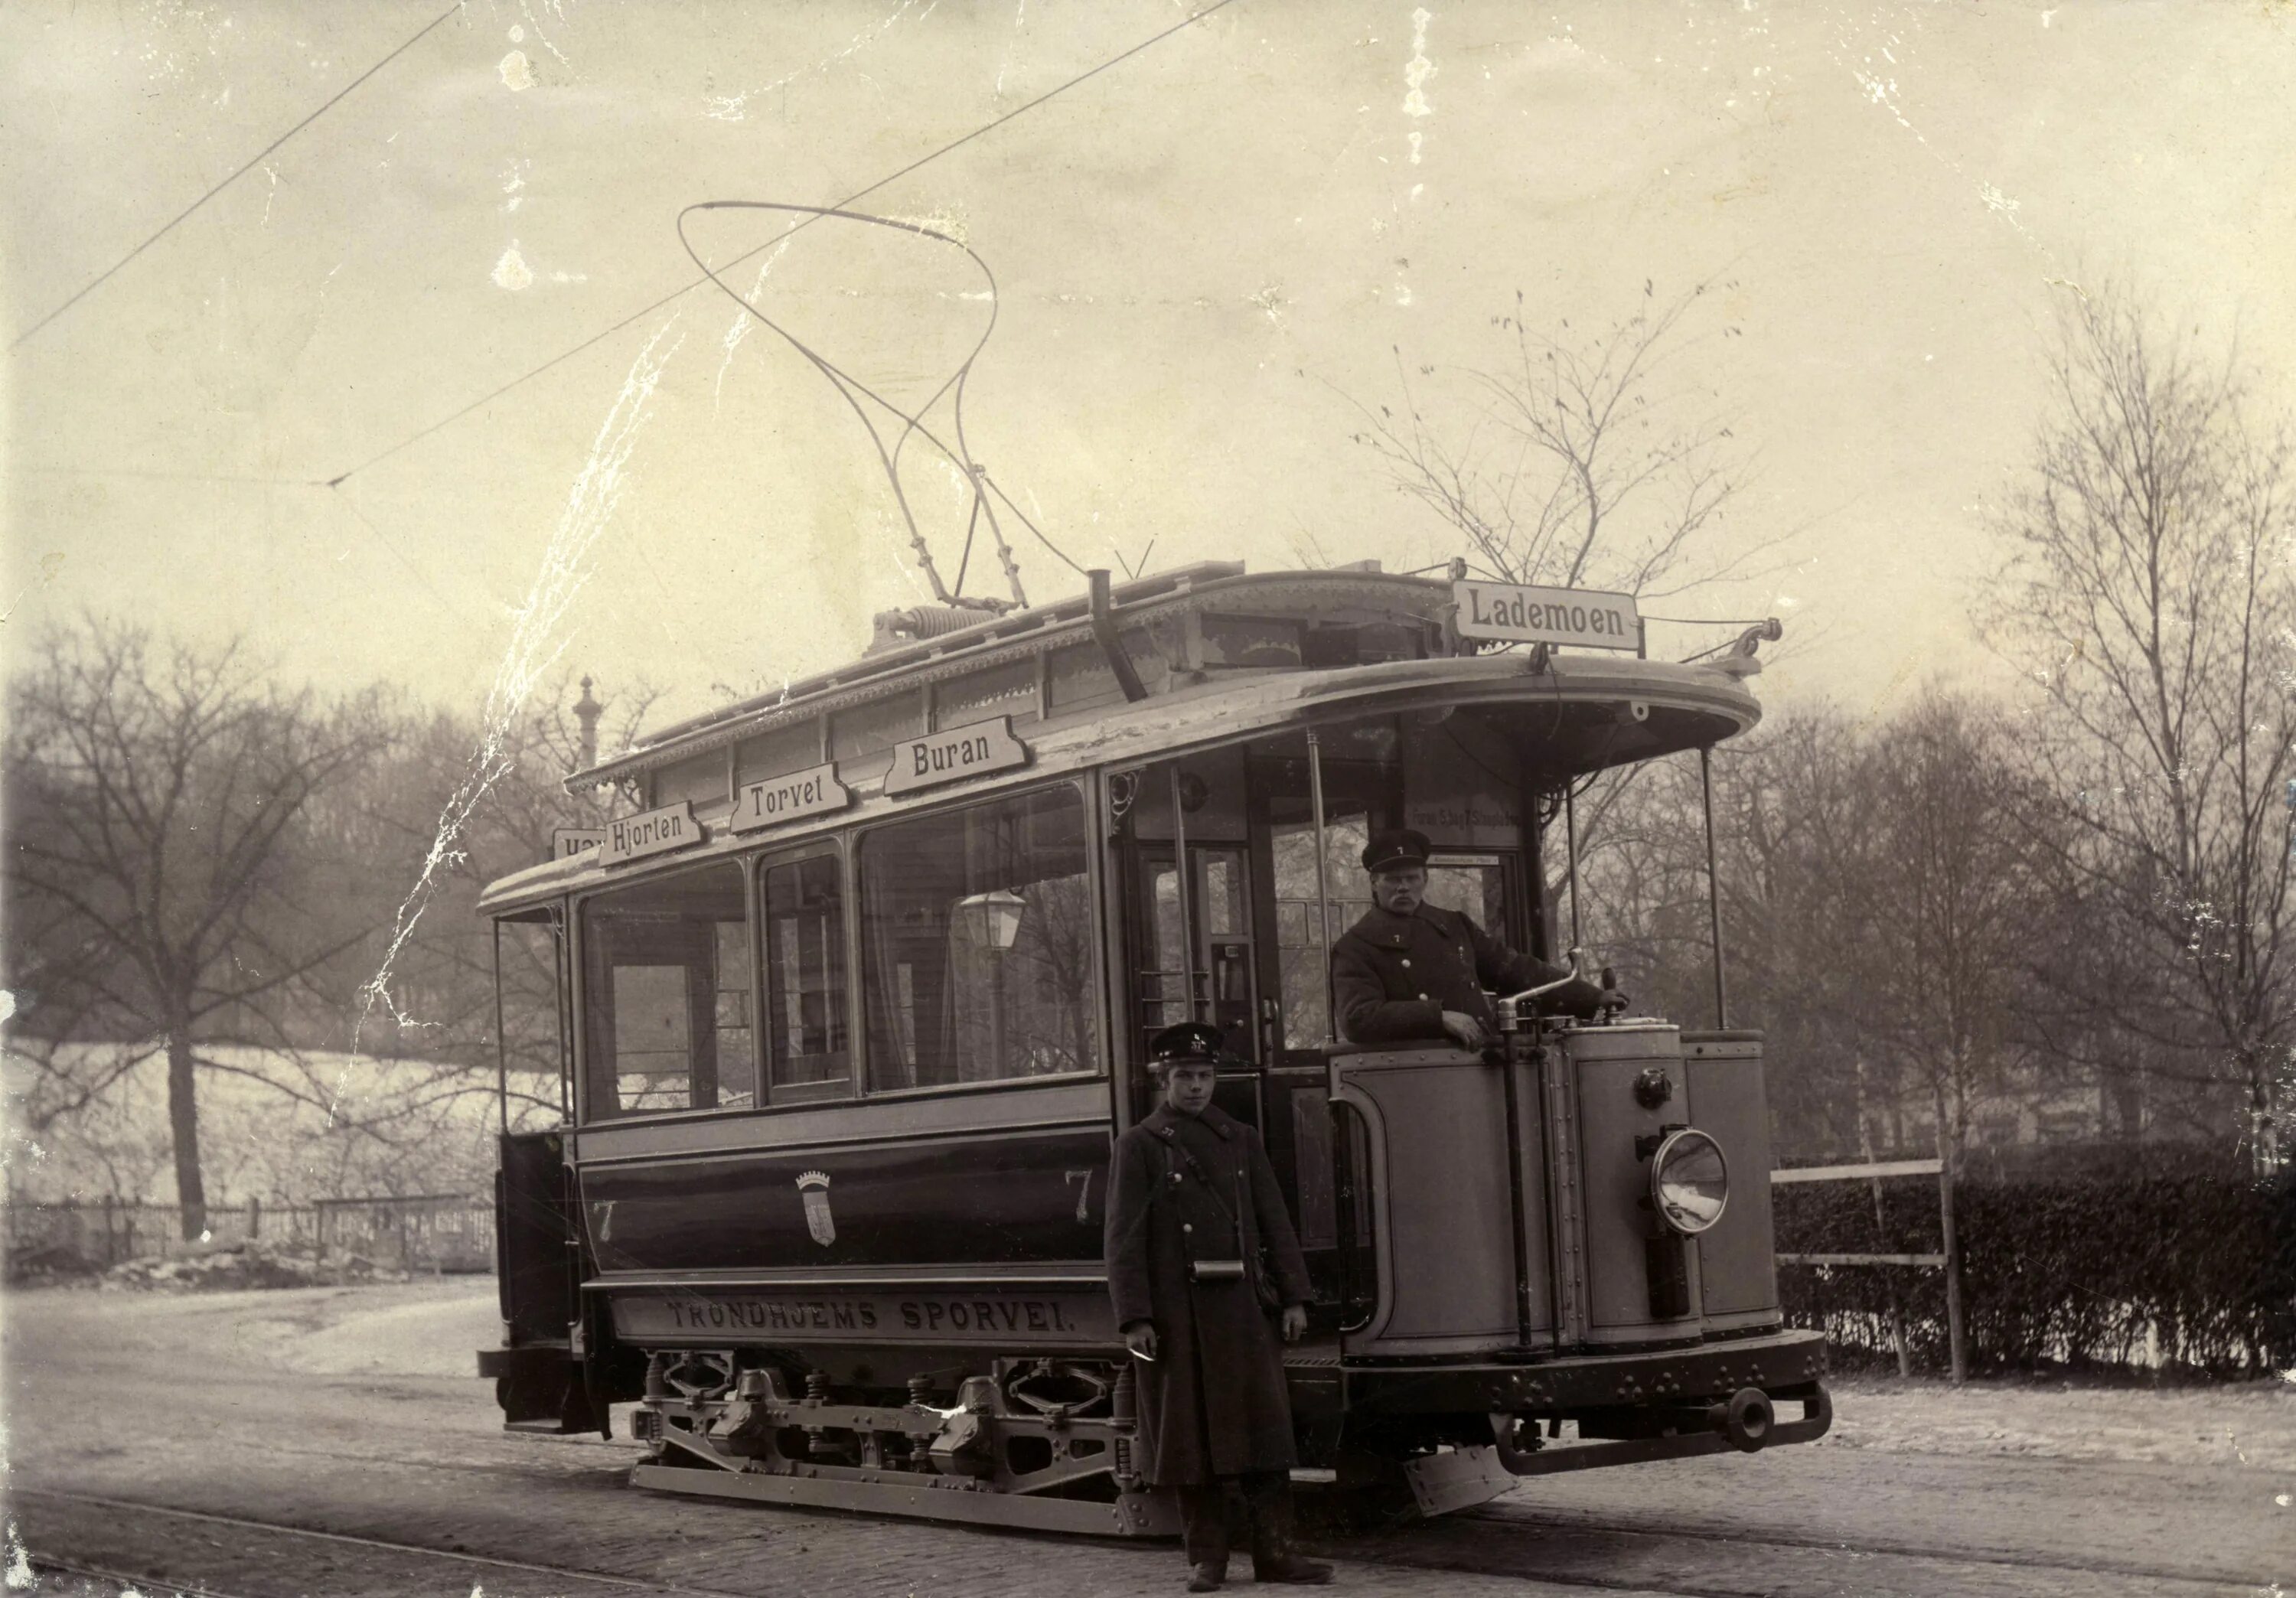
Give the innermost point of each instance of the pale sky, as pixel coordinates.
(1201, 252)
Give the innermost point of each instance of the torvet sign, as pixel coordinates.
(791, 796)
(955, 754)
(650, 832)
(1512, 613)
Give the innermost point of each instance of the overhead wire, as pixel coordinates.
(172, 477)
(847, 385)
(1190, 21)
(236, 174)
(960, 455)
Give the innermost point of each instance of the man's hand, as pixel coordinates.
(1465, 1028)
(1140, 1336)
(1295, 1322)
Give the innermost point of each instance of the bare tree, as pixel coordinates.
(153, 873)
(2150, 594)
(1952, 897)
(1564, 463)
(441, 995)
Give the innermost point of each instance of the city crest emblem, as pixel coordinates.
(813, 1187)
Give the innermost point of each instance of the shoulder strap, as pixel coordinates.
(1196, 1169)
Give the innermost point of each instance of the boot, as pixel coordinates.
(1289, 1567)
(1274, 1558)
(1203, 1532)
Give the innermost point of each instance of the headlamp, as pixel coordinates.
(1690, 1182)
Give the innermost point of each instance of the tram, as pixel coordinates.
(851, 1003)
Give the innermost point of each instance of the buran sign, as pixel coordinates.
(813, 792)
(650, 832)
(952, 756)
(1512, 613)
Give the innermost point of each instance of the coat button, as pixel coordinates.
(1185, 1228)
(1407, 962)
(1424, 999)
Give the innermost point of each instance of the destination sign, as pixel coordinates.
(566, 842)
(960, 752)
(791, 796)
(1512, 613)
(1048, 1318)
(650, 832)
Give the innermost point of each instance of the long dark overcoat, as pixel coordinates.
(1213, 1402)
(1393, 976)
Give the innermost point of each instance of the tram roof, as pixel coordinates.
(1012, 635)
(883, 673)
(1681, 706)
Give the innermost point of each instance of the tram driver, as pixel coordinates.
(1204, 1264)
(1411, 970)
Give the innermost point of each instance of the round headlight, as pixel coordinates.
(1690, 1182)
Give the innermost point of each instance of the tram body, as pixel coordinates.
(852, 1007)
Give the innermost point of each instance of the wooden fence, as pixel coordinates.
(1948, 1259)
(425, 1231)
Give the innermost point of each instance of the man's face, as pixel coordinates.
(1188, 1086)
(1399, 889)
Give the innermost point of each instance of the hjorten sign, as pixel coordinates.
(1512, 613)
(958, 753)
(650, 832)
(790, 797)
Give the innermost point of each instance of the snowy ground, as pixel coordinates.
(309, 1413)
(431, 1329)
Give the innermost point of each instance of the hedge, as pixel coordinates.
(2170, 1272)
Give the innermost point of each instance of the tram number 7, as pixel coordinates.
(1083, 1180)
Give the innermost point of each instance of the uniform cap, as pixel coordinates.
(1399, 846)
(1189, 1041)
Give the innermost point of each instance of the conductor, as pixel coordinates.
(1411, 970)
(1201, 1262)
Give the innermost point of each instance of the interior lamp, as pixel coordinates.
(991, 920)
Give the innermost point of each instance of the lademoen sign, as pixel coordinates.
(1512, 613)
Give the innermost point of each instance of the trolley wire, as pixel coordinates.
(237, 173)
(846, 386)
(639, 314)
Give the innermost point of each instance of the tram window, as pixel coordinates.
(737, 1060)
(1304, 958)
(1473, 885)
(526, 954)
(805, 1023)
(977, 934)
(667, 991)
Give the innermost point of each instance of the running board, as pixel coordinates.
(1132, 1515)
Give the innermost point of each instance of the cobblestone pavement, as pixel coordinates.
(194, 1410)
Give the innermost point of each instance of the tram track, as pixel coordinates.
(1538, 1525)
(275, 1528)
(1566, 1553)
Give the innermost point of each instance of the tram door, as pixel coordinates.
(1195, 956)
(1204, 970)
(1362, 794)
